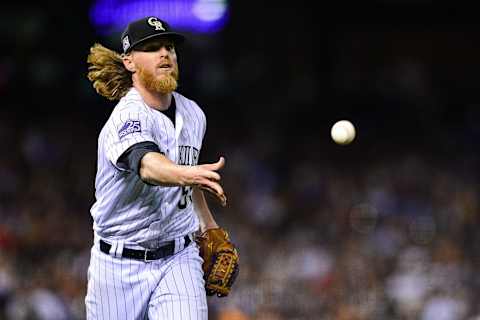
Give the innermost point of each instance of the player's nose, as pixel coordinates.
(163, 51)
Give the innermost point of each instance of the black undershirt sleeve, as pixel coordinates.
(130, 159)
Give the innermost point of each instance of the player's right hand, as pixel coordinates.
(206, 177)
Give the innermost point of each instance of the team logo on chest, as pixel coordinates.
(188, 155)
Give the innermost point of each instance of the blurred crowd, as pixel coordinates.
(378, 236)
(394, 238)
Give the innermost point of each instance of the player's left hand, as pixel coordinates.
(220, 261)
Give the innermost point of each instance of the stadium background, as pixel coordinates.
(385, 228)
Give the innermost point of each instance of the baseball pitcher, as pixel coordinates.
(157, 249)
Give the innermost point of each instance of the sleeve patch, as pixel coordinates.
(130, 126)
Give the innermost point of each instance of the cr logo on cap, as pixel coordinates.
(155, 23)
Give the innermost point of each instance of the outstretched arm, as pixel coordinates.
(157, 169)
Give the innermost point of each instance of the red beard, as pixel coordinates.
(165, 83)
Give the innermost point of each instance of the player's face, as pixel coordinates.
(156, 62)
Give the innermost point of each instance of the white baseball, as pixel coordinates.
(343, 132)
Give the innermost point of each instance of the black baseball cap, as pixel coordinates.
(146, 28)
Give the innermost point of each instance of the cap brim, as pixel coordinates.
(176, 37)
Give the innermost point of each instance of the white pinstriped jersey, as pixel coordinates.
(128, 209)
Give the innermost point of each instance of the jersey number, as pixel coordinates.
(186, 197)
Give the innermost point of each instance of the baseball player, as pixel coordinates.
(145, 262)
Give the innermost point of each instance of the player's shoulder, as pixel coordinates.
(130, 109)
(132, 101)
(184, 100)
(189, 104)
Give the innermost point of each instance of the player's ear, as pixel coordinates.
(128, 62)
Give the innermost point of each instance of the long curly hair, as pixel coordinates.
(107, 73)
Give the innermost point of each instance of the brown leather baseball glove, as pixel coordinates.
(220, 261)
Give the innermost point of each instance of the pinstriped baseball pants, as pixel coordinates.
(170, 288)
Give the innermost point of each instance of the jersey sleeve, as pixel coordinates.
(130, 159)
(126, 128)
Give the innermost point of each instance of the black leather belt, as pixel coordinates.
(146, 255)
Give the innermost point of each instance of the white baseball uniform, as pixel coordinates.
(130, 214)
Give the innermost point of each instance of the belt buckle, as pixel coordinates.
(145, 256)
